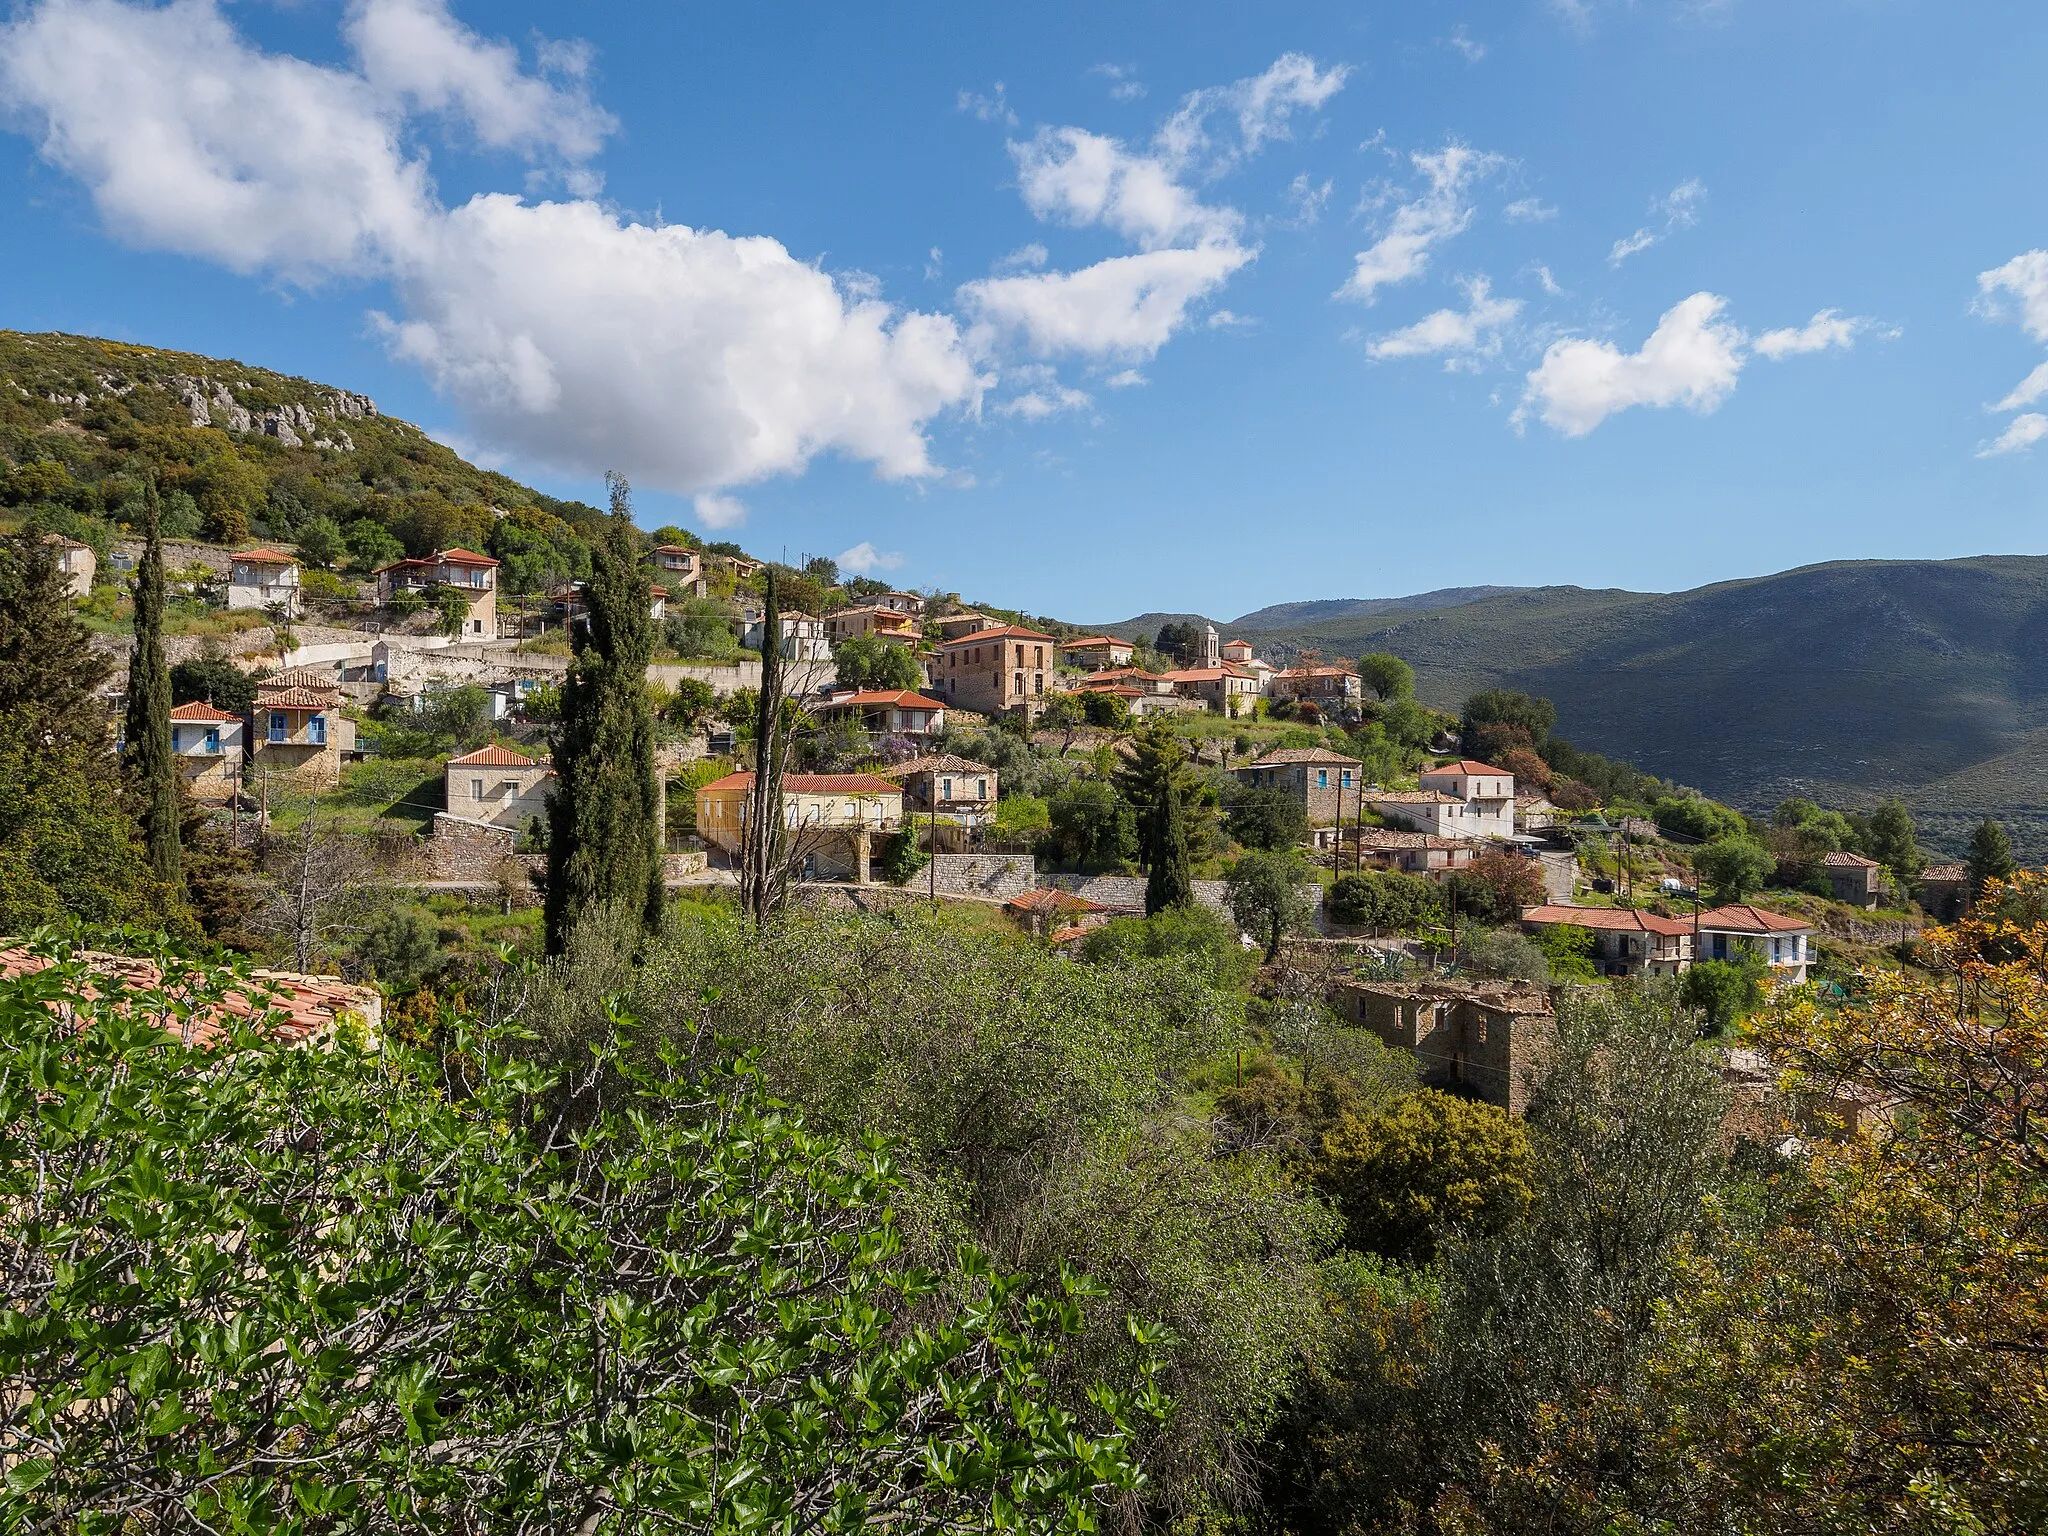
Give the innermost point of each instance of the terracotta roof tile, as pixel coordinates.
(1287, 755)
(898, 698)
(308, 1005)
(1740, 917)
(265, 556)
(937, 762)
(1848, 861)
(814, 783)
(1000, 632)
(495, 756)
(1049, 898)
(1623, 919)
(205, 712)
(1468, 767)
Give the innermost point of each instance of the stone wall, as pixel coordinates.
(996, 875)
(724, 678)
(469, 850)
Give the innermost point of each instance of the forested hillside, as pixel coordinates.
(1843, 682)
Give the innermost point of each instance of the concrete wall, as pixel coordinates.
(724, 677)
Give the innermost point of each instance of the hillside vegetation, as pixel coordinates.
(1843, 682)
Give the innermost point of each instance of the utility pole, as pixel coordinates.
(932, 864)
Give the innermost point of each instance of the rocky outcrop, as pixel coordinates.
(209, 403)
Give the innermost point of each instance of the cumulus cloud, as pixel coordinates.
(1048, 400)
(2020, 433)
(1421, 224)
(1129, 378)
(689, 359)
(715, 511)
(1677, 209)
(1692, 359)
(2027, 391)
(864, 559)
(1127, 307)
(1461, 336)
(1828, 328)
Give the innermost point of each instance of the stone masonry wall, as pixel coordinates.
(997, 875)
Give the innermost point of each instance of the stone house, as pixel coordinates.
(1049, 910)
(886, 711)
(1486, 793)
(1945, 890)
(965, 622)
(1325, 782)
(568, 603)
(77, 561)
(297, 727)
(1785, 943)
(1097, 653)
(1321, 685)
(997, 670)
(803, 635)
(208, 745)
(1626, 942)
(832, 819)
(943, 785)
(497, 786)
(264, 578)
(1853, 878)
(1410, 853)
(1225, 688)
(873, 619)
(680, 569)
(1482, 1038)
(474, 576)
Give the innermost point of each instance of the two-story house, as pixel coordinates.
(1853, 878)
(1626, 942)
(1319, 685)
(1097, 653)
(77, 562)
(1484, 1038)
(1784, 943)
(998, 670)
(1226, 689)
(803, 635)
(831, 819)
(1486, 793)
(680, 568)
(886, 711)
(966, 622)
(262, 579)
(297, 727)
(474, 576)
(899, 602)
(945, 785)
(499, 786)
(1325, 782)
(208, 745)
(873, 619)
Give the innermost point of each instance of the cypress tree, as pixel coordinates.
(764, 873)
(1990, 856)
(146, 754)
(1170, 882)
(604, 841)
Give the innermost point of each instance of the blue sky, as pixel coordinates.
(1102, 308)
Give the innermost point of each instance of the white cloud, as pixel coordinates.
(2024, 278)
(1037, 404)
(1679, 209)
(992, 108)
(416, 52)
(1309, 198)
(1423, 223)
(1127, 307)
(1123, 86)
(689, 359)
(1549, 284)
(1829, 328)
(1692, 359)
(1226, 320)
(715, 511)
(1463, 41)
(1528, 210)
(2027, 391)
(864, 559)
(2021, 433)
(1130, 378)
(1461, 336)
(1123, 306)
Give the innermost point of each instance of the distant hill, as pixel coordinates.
(1329, 610)
(1846, 682)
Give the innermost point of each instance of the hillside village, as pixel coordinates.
(1245, 979)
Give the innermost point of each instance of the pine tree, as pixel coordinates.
(1888, 838)
(604, 844)
(49, 671)
(1170, 882)
(151, 765)
(1990, 856)
(1157, 759)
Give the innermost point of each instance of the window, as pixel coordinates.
(1322, 778)
(279, 725)
(981, 789)
(316, 730)
(1038, 656)
(1344, 779)
(476, 789)
(1020, 685)
(945, 789)
(1038, 683)
(213, 741)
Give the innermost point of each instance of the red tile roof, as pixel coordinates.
(293, 698)
(895, 698)
(1848, 861)
(308, 1005)
(1094, 642)
(1740, 917)
(1000, 632)
(1468, 767)
(1624, 919)
(813, 783)
(1304, 755)
(1052, 899)
(938, 762)
(205, 712)
(299, 678)
(265, 556)
(463, 557)
(494, 756)
(1945, 872)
